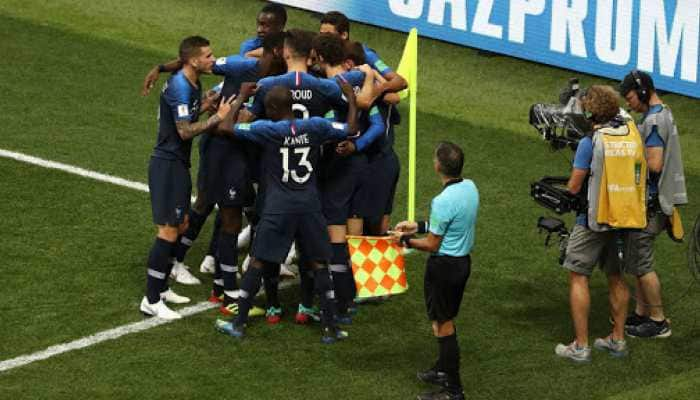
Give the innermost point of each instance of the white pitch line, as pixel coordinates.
(99, 337)
(74, 170)
(110, 334)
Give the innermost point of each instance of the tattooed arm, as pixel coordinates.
(188, 130)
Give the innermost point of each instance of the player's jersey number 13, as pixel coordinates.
(301, 170)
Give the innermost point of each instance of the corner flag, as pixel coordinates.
(408, 69)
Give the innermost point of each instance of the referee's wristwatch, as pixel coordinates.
(406, 241)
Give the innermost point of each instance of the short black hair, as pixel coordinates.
(338, 20)
(355, 52)
(450, 159)
(190, 47)
(277, 100)
(274, 40)
(278, 11)
(629, 82)
(299, 41)
(330, 47)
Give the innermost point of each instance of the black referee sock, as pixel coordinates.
(157, 273)
(449, 356)
(306, 278)
(228, 259)
(271, 280)
(250, 284)
(323, 286)
(343, 281)
(185, 241)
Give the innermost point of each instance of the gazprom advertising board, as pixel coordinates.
(601, 37)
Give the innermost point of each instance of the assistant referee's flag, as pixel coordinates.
(408, 69)
(377, 266)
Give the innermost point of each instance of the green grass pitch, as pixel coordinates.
(73, 251)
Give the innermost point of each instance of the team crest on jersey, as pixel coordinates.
(231, 194)
(221, 61)
(183, 111)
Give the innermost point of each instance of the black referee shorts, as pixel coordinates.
(443, 287)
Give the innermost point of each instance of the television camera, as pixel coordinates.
(563, 125)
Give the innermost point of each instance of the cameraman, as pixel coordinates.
(586, 246)
(666, 189)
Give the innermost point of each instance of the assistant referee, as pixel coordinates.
(450, 239)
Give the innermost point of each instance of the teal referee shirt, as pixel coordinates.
(453, 216)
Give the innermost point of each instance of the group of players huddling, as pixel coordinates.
(299, 140)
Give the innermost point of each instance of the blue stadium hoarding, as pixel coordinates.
(600, 37)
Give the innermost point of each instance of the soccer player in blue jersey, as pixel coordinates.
(169, 179)
(344, 167)
(271, 19)
(313, 97)
(224, 174)
(292, 208)
(337, 23)
(384, 164)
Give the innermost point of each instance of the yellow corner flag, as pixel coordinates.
(377, 266)
(408, 69)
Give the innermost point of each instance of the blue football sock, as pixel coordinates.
(250, 284)
(157, 273)
(228, 259)
(323, 287)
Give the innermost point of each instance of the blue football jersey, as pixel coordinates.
(290, 159)
(372, 58)
(249, 45)
(354, 78)
(179, 101)
(312, 96)
(236, 70)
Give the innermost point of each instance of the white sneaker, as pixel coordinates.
(246, 263)
(208, 265)
(159, 310)
(170, 296)
(291, 256)
(573, 352)
(285, 270)
(181, 274)
(244, 238)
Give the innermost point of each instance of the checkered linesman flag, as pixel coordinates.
(377, 265)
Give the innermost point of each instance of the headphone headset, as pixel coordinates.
(642, 90)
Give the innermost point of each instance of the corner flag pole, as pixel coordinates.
(408, 68)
